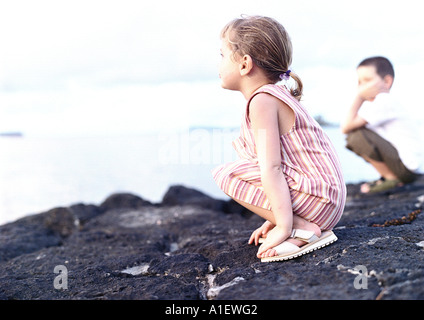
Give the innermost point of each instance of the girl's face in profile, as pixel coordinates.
(228, 68)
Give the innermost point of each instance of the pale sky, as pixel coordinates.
(112, 66)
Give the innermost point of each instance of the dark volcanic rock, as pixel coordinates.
(192, 246)
(180, 195)
(61, 221)
(123, 201)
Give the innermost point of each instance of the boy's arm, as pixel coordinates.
(366, 92)
(353, 120)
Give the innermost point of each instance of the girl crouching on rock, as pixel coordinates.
(288, 172)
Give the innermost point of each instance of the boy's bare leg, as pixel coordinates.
(382, 169)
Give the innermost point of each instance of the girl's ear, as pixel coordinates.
(246, 65)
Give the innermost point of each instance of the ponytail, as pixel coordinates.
(298, 91)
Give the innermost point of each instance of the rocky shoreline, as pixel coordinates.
(193, 247)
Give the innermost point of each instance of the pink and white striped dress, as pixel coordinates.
(308, 160)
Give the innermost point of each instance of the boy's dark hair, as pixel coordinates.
(382, 65)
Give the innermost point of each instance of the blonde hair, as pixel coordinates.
(267, 42)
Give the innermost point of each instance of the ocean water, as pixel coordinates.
(40, 173)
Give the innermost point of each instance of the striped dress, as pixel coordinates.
(308, 161)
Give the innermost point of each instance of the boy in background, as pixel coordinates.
(378, 129)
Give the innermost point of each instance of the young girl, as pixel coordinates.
(288, 171)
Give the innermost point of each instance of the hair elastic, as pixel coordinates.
(285, 75)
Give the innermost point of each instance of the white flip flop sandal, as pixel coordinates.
(288, 250)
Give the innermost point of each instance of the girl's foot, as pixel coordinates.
(298, 223)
